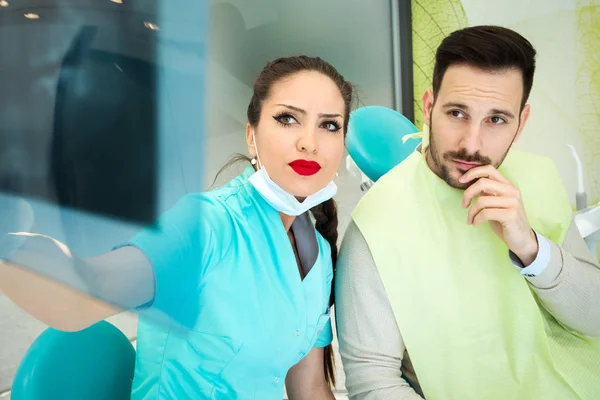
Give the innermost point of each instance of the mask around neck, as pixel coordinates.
(281, 200)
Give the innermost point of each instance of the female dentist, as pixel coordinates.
(242, 273)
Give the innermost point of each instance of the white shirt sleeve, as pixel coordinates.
(541, 260)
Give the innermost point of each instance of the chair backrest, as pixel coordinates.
(96, 363)
(374, 139)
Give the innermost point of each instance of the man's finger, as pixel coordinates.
(485, 202)
(500, 215)
(485, 171)
(486, 186)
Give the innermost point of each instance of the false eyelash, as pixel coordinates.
(279, 116)
(334, 123)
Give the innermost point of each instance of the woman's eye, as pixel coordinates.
(331, 126)
(285, 119)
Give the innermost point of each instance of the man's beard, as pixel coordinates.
(442, 170)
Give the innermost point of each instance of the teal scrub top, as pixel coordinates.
(224, 266)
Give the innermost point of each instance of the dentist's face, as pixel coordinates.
(300, 135)
(473, 120)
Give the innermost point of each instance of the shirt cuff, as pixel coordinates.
(541, 260)
(325, 337)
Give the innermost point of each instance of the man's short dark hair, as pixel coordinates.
(490, 48)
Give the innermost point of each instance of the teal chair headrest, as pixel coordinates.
(374, 139)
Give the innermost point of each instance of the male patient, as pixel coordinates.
(461, 275)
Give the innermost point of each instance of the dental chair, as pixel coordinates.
(376, 142)
(588, 223)
(96, 363)
(587, 219)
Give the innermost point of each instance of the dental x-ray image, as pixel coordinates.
(98, 100)
(78, 112)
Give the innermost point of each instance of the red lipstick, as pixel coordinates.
(305, 167)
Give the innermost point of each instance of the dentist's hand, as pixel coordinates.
(33, 251)
(500, 204)
(16, 217)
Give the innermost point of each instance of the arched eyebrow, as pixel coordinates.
(303, 112)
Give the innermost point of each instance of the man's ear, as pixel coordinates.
(523, 118)
(427, 101)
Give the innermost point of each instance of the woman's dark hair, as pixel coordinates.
(325, 214)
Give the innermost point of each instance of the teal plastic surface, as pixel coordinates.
(374, 139)
(96, 363)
